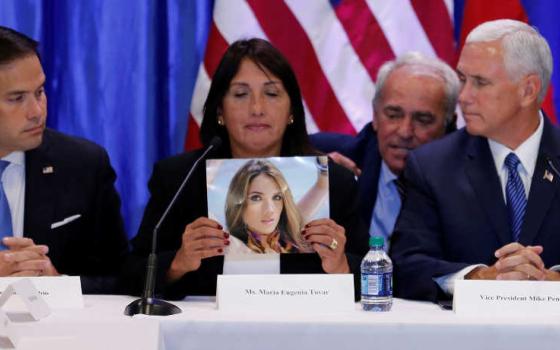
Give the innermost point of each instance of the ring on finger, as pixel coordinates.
(334, 244)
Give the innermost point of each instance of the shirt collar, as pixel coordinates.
(16, 157)
(527, 152)
(386, 174)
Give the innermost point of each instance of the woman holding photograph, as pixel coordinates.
(254, 105)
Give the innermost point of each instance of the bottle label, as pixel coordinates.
(377, 285)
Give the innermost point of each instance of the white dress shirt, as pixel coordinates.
(527, 153)
(13, 179)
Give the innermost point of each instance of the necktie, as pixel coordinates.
(515, 194)
(385, 211)
(401, 188)
(5, 214)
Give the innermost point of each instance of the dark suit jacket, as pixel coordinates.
(192, 204)
(455, 214)
(363, 149)
(81, 183)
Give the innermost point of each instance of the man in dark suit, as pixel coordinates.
(483, 203)
(59, 211)
(414, 103)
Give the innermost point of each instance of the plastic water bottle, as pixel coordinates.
(377, 277)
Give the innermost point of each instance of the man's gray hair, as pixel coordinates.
(422, 65)
(525, 49)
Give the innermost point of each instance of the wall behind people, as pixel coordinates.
(122, 73)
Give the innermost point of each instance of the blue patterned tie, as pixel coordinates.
(5, 214)
(515, 193)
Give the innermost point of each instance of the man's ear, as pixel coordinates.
(529, 89)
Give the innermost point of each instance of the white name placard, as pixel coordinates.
(473, 297)
(322, 293)
(29, 295)
(61, 292)
(7, 334)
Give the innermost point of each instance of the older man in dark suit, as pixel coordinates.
(414, 103)
(483, 203)
(59, 211)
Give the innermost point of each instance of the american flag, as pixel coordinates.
(336, 47)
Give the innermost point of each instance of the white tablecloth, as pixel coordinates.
(410, 325)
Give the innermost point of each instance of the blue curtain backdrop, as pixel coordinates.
(120, 73)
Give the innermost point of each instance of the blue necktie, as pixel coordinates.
(385, 211)
(515, 194)
(5, 214)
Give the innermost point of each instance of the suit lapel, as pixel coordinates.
(543, 190)
(484, 179)
(40, 202)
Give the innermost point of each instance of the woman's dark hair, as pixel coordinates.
(295, 140)
(15, 45)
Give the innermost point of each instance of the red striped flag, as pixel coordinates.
(335, 49)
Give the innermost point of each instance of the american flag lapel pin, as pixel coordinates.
(548, 175)
(48, 170)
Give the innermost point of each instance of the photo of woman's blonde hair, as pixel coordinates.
(286, 236)
(265, 203)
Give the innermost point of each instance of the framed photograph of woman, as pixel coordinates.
(265, 203)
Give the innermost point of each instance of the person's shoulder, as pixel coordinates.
(179, 164)
(330, 141)
(451, 146)
(439, 159)
(353, 146)
(67, 150)
(169, 172)
(61, 142)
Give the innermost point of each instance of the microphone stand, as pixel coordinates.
(148, 304)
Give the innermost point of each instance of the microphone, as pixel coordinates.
(148, 304)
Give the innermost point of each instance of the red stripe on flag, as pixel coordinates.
(436, 21)
(479, 11)
(548, 105)
(215, 49)
(365, 34)
(285, 32)
(192, 141)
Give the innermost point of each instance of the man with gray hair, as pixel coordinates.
(414, 103)
(483, 203)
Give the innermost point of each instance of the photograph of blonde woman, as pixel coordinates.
(267, 205)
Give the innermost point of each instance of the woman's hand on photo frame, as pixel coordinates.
(328, 239)
(202, 238)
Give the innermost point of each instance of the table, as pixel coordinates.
(101, 324)
(410, 325)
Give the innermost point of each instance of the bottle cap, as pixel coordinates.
(376, 241)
